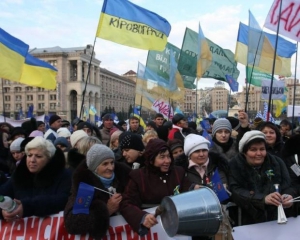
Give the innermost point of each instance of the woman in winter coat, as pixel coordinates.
(101, 171)
(223, 143)
(40, 184)
(149, 185)
(202, 164)
(252, 178)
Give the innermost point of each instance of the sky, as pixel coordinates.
(73, 23)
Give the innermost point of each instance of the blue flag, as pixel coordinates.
(84, 199)
(218, 187)
(234, 85)
(207, 137)
(205, 124)
(30, 111)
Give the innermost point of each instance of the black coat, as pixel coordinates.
(95, 223)
(41, 194)
(250, 186)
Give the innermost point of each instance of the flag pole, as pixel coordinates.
(295, 85)
(87, 77)
(274, 62)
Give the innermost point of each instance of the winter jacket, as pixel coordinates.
(43, 193)
(95, 223)
(250, 186)
(227, 151)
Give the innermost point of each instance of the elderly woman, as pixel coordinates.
(149, 185)
(101, 171)
(252, 178)
(40, 184)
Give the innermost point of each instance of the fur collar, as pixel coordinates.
(23, 178)
(74, 158)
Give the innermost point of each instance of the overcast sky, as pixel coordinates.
(73, 23)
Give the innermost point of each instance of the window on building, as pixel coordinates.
(6, 98)
(6, 89)
(52, 106)
(41, 106)
(18, 89)
(18, 98)
(53, 62)
(41, 89)
(29, 97)
(7, 106)
(29, 89)
(52, 96)
(41, 97)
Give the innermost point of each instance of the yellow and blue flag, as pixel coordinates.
(261, 55)
(38, 73)
(128, 24)
(12, 56)
(92, 110)
(137, 114)
(204, 54)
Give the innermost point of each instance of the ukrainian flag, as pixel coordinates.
(128, 24)
(12, 56)
(264, 60)
(38, 73)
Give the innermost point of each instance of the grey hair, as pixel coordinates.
(43, 144)
(86, 143)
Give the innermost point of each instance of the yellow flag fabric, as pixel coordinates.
(128, 24)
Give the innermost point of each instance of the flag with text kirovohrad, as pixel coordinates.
(12, 56)
(128, 24)
(84, 198)
(218, 187)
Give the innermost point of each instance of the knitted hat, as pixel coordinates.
(97, 154)
(248, 136)
(221, 123)
(36, 133)
(53, 119)
(76, 136)
(16, 144)
(194, 142)
(175, 143)
(122, 122)
(107, 116)
(61, 141)
(177, 118)
(76, 121)
(63, 132)
(83, 125)
(39, 123)
(132, 141)
(154, 146)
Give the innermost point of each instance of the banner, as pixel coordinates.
(222, 59)
(290, 111)
(163, 107)
(18, 123)
(277, 89)
(289, 18)
(52, 228)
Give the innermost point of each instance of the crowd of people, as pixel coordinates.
(42, 170)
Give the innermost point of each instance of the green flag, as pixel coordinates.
(255, 77)
(222, 59)
(159, 62)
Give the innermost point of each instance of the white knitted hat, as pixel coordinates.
(97, 154)
(16, 144)
(248, 136)
(63, 132)
(194, 142)
(76, 136)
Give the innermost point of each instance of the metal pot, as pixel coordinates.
(194, 213)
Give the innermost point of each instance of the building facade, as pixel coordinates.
(74, 77)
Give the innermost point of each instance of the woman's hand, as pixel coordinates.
(286, 200)
(150, 221)
(113, 203)
(243, 118)
(14, 215)
(273, 199)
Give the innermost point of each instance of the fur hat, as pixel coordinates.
(16, 144)
(131, 141)
(29, 126)
(76, 136)
(107, 116)
(235, 123)
(221, 123)
(97, 154)
(53, 119)
(194, 142)
(177, 118)
(175, 143)
(153, 147)
(83, 125)
(63, 132)
(248, 136)
(16, 132)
